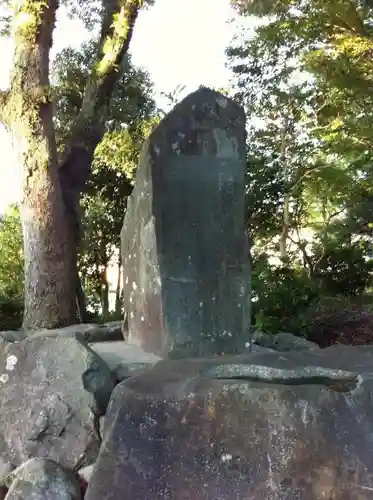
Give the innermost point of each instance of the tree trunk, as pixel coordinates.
(50, 201)
(48, 248)
(118, 291)
(104, 293)
(285, 229)
(286, 207)
(80, 300)
(50, 282)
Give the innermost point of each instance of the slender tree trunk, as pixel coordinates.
(285, 229)
(286, 207)
(80, 300)
(118, 291)
(105, 293)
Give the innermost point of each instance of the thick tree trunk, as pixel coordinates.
(50, 282)
(50, 201)
(48, 247)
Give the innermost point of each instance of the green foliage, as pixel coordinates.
(131, 117)
(345, 270)
(11, 263)
(11, 270)
(280, 295)
(131, 103)
(305, 80)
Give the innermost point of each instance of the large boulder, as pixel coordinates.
(184, 245)
(52, 393)
(294, 426)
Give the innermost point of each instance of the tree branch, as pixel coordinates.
(4, 99)
(116, 33)
(75, 166)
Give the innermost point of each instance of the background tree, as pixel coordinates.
(130, 118)
(304, 77)
(11, 270)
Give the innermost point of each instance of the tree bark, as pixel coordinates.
(104, 293)
(89, 128)
(52, 188)
(80, 301)
(286, 205)
(48, 247)
(118, 291)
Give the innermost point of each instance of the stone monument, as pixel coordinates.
(184, 246)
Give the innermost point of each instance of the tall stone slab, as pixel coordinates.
(184, 248)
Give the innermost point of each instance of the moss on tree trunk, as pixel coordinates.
(48, 249)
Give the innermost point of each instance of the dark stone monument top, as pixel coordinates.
(184, 247)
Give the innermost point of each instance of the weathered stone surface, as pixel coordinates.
(52, 391)
(124, 360)
(12, 335)
(289, 426)
(87, 332)
(41, 479)
(86, 473)
(255, 349)
(185, 254)
(283, 341)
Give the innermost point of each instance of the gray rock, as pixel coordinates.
(106, 332)
(283, 342)
(86, 472)
(184, 244)
(294, 426)
(13, 335)
(101, 426)
(254, 350)
(5, 469)
(124, 360)
(41, 479)
(52, 391)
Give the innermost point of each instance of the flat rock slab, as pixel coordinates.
(184, 245)
(124, 360)
(291, 426)
(283, 341)
(52, 392)
(87, 332)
